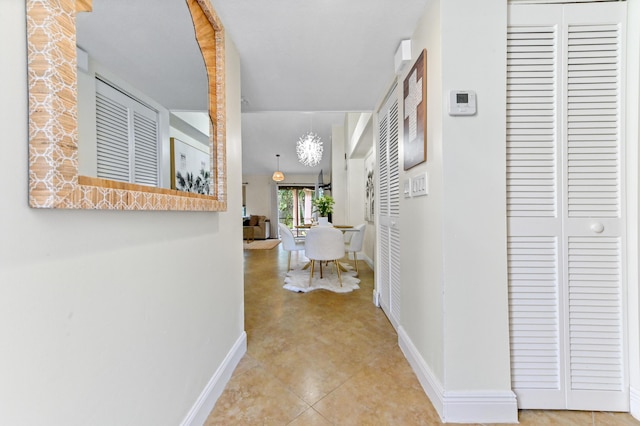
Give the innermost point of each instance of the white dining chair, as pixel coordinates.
(355, 243)
(289, 243)
(324, 243)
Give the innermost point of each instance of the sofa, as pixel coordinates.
(256, 227)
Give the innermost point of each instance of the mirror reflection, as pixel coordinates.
(143, 96)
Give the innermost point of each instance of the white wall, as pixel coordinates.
(421, 217)
(109, 317)
(474, 226)
(356, 193)
(258, 194)
(339, 177)
(357, 143)
(454, 307)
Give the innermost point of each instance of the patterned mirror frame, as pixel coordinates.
(53, 119)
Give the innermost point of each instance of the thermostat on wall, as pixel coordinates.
(462, 102)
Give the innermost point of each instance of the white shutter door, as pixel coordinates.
(388, 260)
(112, 133)
(382, 276)
(534, 208)
(145, 133)
(127, 137)
(593, 169)
(564, 204)
(394, 213)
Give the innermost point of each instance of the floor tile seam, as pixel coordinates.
(316, 411)
(271, 375)
(335, 389)
(288, 388)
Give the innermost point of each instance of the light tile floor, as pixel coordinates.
(332, 359)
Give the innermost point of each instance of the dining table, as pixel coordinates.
(343, 228)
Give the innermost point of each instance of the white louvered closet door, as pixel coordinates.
(565, 203)
(126, 136)
(388, 258)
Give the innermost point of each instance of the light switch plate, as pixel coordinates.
(420, 185)
(407, 188)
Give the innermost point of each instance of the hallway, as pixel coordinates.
(332, 359)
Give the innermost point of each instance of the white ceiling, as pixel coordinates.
(303, 63)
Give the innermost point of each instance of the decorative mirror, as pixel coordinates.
(54, 181)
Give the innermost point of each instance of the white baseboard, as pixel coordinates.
(362, 256)
(459, 407)
(212, 391)
(634, 395)
(480, 407)
(430, 383)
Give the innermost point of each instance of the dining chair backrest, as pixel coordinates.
(355, 244)
(288, 241)
(324, 243)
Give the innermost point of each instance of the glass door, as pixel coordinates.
(295, 207)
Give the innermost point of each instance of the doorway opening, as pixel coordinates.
(295, 206)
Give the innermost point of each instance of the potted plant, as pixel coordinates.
(324, 206)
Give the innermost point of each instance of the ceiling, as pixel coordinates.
(303, 63)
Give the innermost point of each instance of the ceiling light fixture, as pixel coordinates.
(309, 149)
(278, 176)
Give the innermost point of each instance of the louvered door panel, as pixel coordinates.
(533, 209)
(388, 259)
(127, 137)
(596, 363)
(394, 213)
(565, 177)
(146, 150)
(383, 142)
(593, 127)
(383, 261)
(594, 246)
(112, 134)
(531, 122)
(534, 298)
(394, 162)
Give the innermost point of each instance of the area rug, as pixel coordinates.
(297, 279)
(261, 244)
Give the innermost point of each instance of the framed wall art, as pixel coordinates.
(415, 113)
(190, 169)
(369, 187)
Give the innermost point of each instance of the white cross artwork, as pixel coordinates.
(411, 103)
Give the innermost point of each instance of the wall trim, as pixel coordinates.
(430, 383)
(480, 407)
(634, 410)
(459, 407)
(362, 256)
(212, 391)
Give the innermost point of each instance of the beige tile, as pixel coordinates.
(308, 371)
(310, 418)
(255, 397)
(323, 358)
(373, 397)
(556, 418)
(614, 419)
(245, 364)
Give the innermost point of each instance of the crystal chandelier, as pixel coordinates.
(309, 149)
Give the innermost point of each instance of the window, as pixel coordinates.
(127, 137)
